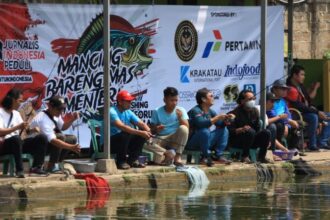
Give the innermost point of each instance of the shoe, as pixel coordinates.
(265, 160)
(178, 164)
(222, 160)
(123, 166)
(137, 164)
(38, 171)
(207, 161)
(326, 147)
(315, 149)
(20, 174)
(246, 160)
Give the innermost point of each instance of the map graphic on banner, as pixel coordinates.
(57, 49)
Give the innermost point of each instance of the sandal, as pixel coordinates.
(137, 164)
(178, 164)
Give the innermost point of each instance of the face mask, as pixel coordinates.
(250, 104)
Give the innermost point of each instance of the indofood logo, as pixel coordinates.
(199, 75)
(241, 72)
(213, 45)
(186, 41)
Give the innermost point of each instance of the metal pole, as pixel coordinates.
(290, 34)
(263, 62)
(106, 84)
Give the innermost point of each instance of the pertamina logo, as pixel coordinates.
(199, 74)
(186, 41)
(215, 46)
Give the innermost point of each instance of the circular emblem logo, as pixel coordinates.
(186, 41)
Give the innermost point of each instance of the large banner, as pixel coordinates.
(54, 49)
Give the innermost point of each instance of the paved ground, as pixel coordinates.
(322, 157)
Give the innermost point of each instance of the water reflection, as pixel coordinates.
(298, 199)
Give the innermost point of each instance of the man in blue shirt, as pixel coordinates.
(170, 123)
(125, 138)
(203, 138)
(280, 114)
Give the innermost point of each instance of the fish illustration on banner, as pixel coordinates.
(80, 68)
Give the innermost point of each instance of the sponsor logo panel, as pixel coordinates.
(188, 74)
(213, 45)
(186, 41)
(240, 72)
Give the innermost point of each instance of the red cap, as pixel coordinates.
(125, 96)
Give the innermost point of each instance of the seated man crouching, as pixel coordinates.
(170, 124)
(51, 124)
(124, 138)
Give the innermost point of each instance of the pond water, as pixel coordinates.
(307, 198)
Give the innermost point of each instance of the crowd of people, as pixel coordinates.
(172, 129)
(43, 134)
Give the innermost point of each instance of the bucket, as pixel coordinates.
(82, 166)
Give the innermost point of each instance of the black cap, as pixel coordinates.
(280, 83)
(57, 102)
(271, 96)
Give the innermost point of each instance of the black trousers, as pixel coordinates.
(124, 144)
(252, 140)
(57, 154)
(37, 147)
(280, 127)
(13, 145)
(273, 134)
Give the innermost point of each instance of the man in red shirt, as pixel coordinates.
(298, 97)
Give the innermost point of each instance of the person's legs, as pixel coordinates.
(70, 139)
(244, 141)
(13, 145)
(219, 140)
(55, 153)
(280, 130)
(119, 145)
(37, 147)
(157, 149)
(325, 134)
(261, 141)
(135, 148)
(312, 123)
(178, 141)
(272, 129)
(200, 140)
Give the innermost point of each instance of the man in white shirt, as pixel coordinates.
(51, 124)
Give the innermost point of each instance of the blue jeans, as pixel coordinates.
(325, 134)
(205, 140)
(312, 120)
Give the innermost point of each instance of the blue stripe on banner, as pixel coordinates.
(207, 49)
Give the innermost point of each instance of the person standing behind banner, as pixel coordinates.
(125, 139)
(11, 128)
(51, 124)
(170, 124)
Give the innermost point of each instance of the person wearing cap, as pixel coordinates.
(245, 130)
(51, 124)
(298, 97)
(280, 114)
(271, 124)
(125, 139)
(170, 124)
(11, 127)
